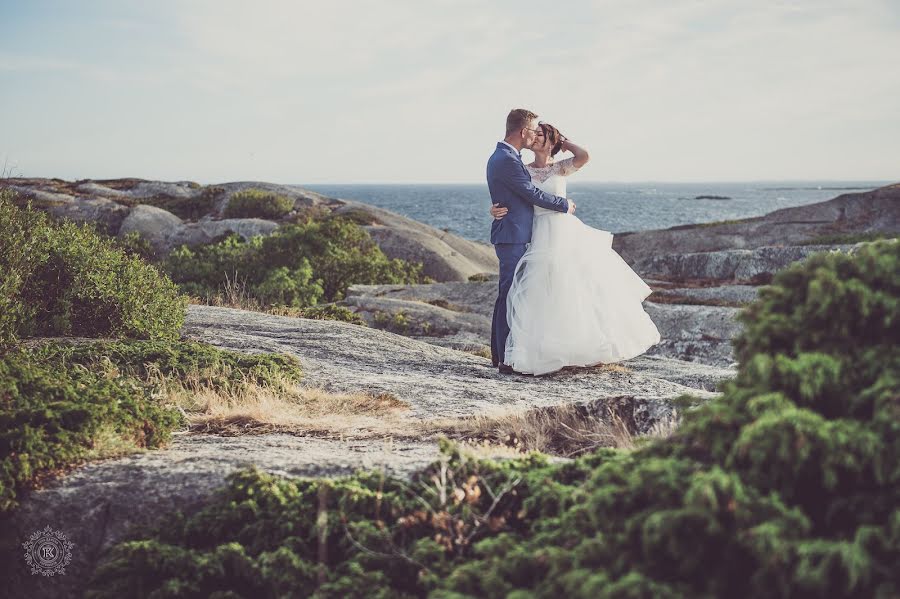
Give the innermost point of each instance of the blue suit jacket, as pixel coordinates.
(510, 186)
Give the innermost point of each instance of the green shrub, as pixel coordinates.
(332, 312)
(56, 398)
(135, 244)
(257, 203)
(285, 286)
(65, 279)
(222, 369)
(358, 215)
(397, 322)
(191, 208)
(298, 265)
(844, 238)
(786, 486)
(50, 416)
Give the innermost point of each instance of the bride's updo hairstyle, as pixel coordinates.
(556, 138)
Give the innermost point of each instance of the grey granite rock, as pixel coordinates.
(872, 211)
(343, 357)
(730, 294)
(205, 231)
(175, 189)
(690, 332)
(42, 198)
(444, 256)
(756, 265)
(696, 333)
(92, 188)
(152, 223)
(417, 318)
(108, 215)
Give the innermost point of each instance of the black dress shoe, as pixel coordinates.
(504, 369)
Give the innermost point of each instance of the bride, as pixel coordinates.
(574, 301)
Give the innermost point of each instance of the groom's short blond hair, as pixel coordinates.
(518, 119)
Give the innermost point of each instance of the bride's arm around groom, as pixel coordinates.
(512, 174)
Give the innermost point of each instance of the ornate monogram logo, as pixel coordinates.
(48, 552)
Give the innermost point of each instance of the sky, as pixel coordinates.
(416, 91)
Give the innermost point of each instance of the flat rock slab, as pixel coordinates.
(850, 213)
(434, 381)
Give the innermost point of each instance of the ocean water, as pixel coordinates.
(616, 207)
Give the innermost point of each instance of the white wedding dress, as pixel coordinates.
(574, 301)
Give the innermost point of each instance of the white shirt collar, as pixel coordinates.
(518, 153)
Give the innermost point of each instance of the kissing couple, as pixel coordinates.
(566, 298)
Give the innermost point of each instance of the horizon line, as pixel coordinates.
(482, 182)
(611, 181)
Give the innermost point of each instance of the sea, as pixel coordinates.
(616, 207)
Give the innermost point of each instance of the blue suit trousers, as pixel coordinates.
(509, 255)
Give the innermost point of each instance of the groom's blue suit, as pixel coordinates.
(510, 186)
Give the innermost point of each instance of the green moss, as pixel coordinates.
(258, 203)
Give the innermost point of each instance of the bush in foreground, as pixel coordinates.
(786, 486)
(58, 401)
(65, 279)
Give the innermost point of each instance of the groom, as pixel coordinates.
(511, 187)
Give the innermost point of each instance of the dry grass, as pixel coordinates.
(483, 351)
(564, 430)
(251, 408)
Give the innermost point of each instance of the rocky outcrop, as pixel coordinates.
(694, 332)
(458, 315)
(205, 231)
(152, 223)
(433, 380)
(756, 266)
(867, 212)
(444, 256)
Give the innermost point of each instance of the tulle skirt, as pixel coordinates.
(574, 301)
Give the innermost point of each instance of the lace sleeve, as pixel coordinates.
(565, 167)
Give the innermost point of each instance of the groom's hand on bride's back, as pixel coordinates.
(571, 207)
(498, 211)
